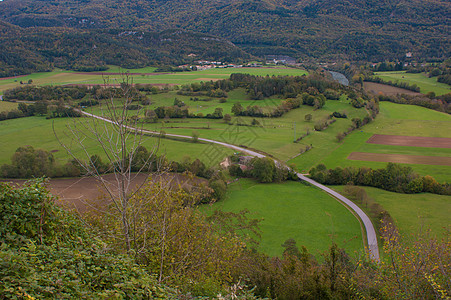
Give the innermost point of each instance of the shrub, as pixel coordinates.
(219, 189)
(195, 136)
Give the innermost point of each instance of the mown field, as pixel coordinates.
(293, 210)
(425, 83)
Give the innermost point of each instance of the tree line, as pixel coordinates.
(28, 162)
(440, 103)
(394, 177)
(264, 169)
(51, 110)
(82, 94)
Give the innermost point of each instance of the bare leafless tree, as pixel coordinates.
(116, 132)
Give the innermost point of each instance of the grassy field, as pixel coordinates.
(273, 136)
(37, 132)
(294, 210)
(7, 106)
(116, 69)
(425, 83)
(61, 77)
(204, 107)
(393, 119)
(414, 212)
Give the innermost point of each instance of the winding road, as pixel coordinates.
(373, 248)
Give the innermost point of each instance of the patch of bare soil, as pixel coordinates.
(387, 90)
(84, 192)
(401, 158)
(412, 141)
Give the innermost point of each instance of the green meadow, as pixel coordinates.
(38, 132)
(293, 210)
(116, 69)
(393, 119)
(425, 83)
(274, 136)
(413, 212)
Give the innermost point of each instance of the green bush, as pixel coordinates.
(47, 253)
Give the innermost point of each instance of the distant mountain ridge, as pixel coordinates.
(367, 30)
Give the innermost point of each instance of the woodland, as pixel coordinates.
(87, 35)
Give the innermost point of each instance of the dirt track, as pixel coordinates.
(412, 141)
(400, 158)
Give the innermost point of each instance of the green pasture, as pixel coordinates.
(394, 119)
(274, 135)
(204, 107)
(61, 77)
(425, 83)
(36, 77)
(293, 210)
(38, 132)
(413, 213)
(117, 69)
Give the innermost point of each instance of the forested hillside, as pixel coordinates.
(25, 50)
(351, 29)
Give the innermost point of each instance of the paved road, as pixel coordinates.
(373, 247)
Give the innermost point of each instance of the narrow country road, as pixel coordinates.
(373, 247)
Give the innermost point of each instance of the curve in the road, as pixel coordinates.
(373, 247)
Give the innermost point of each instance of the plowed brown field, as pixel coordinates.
(82, 193)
